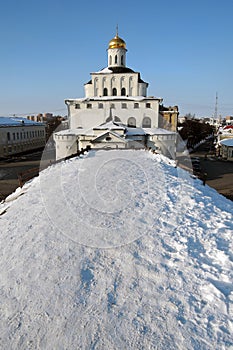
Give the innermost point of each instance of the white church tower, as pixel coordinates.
(117, 52)
(116, 79)
(114, 94)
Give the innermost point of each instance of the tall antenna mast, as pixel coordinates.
(216, 107)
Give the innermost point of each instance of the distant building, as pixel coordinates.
(169, 118)
(116, 112)
(225, 132)
(52, 122)
(19, 135)
(229, 119)
(227, 149)
(212, 121)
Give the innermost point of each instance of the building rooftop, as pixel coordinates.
(227, 142)
(108, 98)
(16, 121)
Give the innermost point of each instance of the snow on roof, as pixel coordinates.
(158, 131)
(165, 284)
(74, 132)
(227, 142)
(104, 70)
(110, 125)
(107, 132)
(16, 121)
(109, 98)
(135, 131)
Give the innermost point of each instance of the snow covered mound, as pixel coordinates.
(117, 250)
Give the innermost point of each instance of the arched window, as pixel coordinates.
(114, 92)
(110, 60)
(123, 92)
(122, 60)
(130, 86)
(146, 123)
(96, 90)
(116, 59)
(105, 92)
(132, 122)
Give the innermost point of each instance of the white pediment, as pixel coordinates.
(108, 137)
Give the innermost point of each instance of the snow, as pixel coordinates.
(159, 131)
(227, 142)
(75, 132)
(116, 250)
(110, 98)
(16, 121)
(104, 70)
(110, 125)
(135, 131)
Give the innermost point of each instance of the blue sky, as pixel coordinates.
(182, 48)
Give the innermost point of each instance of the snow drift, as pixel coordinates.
(117, 250)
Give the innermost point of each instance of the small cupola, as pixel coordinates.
(116, 43)
(117, 52)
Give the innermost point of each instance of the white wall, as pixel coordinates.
(129, 81)
(66, 145)
(89, 118)
(164, 144)
(116, 52)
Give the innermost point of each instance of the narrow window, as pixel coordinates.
(136, 105)
(132, 122)
(123, 91)
(8, 136)
(146, 123)
(89, 105)
(110, 60)
(105, 92)
(114, 92)
(122, 60)
(116, 59)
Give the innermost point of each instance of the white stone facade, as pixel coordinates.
(110, 84)
(118, 94)
(90, 112)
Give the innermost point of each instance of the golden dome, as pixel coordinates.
(117, 43)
